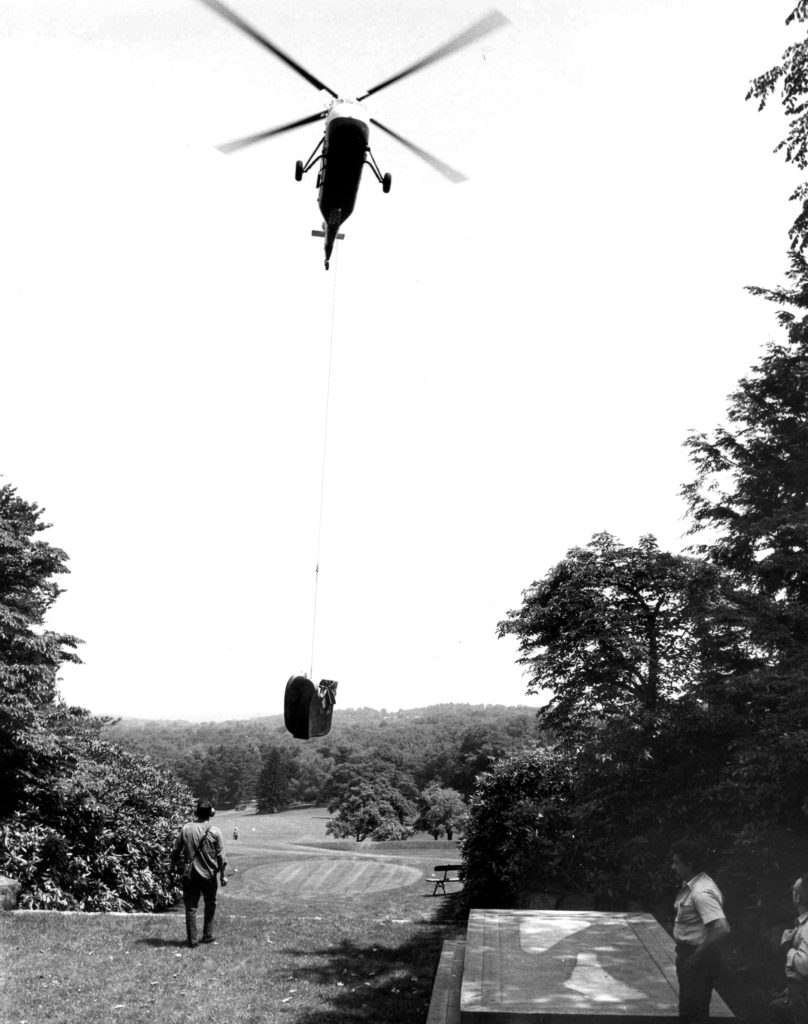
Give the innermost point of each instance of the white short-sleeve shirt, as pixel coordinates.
(697, 903)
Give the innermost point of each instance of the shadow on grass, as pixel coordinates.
(161, 942)
(382, 984)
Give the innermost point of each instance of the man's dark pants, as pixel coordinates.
(696, 983)
(792, 1006)
(192, 889)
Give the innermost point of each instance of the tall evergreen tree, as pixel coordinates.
(273, 788)
(751, 488)
(30, 654)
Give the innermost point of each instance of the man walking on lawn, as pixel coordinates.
(200, 847)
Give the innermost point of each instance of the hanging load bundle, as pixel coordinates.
(307, 710)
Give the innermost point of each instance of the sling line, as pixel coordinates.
(322, 468)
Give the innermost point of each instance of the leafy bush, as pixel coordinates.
(519, 835)
(95, 832)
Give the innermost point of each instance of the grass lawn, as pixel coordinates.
(309, 931)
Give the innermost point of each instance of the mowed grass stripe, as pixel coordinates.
(310, 878)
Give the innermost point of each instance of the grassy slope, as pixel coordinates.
(306, 957)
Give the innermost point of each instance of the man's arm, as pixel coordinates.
(175, 851)
(714, 932)
(797, 956)
(221, 857)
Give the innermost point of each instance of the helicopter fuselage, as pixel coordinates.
(347, 131)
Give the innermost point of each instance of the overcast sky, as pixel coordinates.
(516, 360)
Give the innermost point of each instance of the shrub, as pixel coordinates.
(519, 836)
(97, 833)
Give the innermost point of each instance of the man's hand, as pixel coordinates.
(224, 880)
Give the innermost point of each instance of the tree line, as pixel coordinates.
(383, 774)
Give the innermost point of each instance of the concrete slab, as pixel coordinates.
(444, 1006)
(569, 967)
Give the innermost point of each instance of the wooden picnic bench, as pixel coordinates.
(449, 873)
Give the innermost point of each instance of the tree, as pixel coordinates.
(751, 486)
(614, 630)
(381, 777)
(273, 789)
(94, 826)
(225, 774)
(365, 813)
(442, 811)
(83, 824)
(519, 834)
(30, 654)
(789, 75)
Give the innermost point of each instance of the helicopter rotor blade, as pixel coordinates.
(239, 22)
(248, 140)
(488, 23)
(448, 172)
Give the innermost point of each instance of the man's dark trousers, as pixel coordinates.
(696, 983)
(792, 1006)
(192, 889)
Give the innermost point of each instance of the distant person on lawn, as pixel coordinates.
(792, 1006)
(200, 848)
(699, 931)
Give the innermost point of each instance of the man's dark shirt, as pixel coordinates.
(210, 856)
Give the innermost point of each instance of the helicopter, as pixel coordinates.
(344, 148)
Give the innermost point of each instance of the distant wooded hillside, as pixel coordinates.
(446, 744)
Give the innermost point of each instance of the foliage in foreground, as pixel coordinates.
(789, 77)
(519, 837)
(30, 654)
(83, 824)
(96, 832)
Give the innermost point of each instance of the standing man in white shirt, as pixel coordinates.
(792, 1007)
(699, 930)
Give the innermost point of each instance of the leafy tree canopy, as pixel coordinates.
(750, 494)
(367, 813)
(441, 812)
(613, 630)
(30, 654)
(83, 824)
(790, 77)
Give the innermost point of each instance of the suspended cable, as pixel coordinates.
(323, 464)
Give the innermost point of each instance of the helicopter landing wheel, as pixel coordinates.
(387, 181)
(299, 170)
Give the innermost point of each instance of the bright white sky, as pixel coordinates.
(516, 360)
